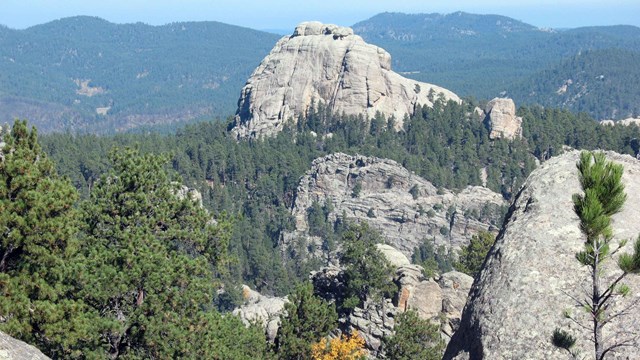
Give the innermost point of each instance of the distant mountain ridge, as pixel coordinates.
(87, 74)
(485, 55)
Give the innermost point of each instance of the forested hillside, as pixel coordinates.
(486, 55)
(600, 82)
(258, 179)
(86, 74)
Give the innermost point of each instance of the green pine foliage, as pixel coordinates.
(472, 256)
(37, 249)
(367, 273)
(433, 260)
(148, 258)
(258, 179)
(603, 196)
(307, 319)
(414, 338)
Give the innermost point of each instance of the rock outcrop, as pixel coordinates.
(531, 274)
(13, 349)
(263, 309)
(326, 64)
(404, 207)
(625, 122)
(502, 120)
(438, 299)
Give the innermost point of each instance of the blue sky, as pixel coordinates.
(285, 14)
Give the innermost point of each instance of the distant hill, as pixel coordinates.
(484, 55)
(604, 83)
(86, 74)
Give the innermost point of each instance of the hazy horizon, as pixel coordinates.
(285, 14)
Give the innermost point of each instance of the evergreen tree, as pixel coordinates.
(38, 225)
(603, 197)
(414, 338)
(308, 319)
(367, 274)
(472, 256)
(148, 260)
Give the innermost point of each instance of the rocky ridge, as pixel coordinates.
(439, 299)
(403, 206)
(326, 64)
(531, 273)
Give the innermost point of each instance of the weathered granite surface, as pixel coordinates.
(531, 272)
(326, 64)
(13, 349)
(405, 217)
(502, 119)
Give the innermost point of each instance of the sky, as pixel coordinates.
(285, 14)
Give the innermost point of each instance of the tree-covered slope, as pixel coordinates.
(88, 74)
(601, 82)
(485, 55)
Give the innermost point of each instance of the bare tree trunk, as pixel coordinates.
(596, 305)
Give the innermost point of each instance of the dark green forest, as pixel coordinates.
(490, 55)
(255, 181)
(107, 210)
(600, 82)
(147, 75)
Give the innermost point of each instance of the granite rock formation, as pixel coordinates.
(263, 309)
(439, 299)
(502, 120)
(531, 274)
(326, 64)
(404, 207)
(13, 349)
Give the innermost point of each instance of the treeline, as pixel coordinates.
(135, 271)
(255, 181)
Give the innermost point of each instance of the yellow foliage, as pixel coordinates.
(342, 348)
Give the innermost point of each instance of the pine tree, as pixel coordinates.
(472, 256)
(603, 197)
(148, 256)
(414, 338)
(38, 226)
(367, 273)
(308, 318)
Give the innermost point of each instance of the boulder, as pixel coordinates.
(326, 64)
(531, 274)
(263, 309)
(502, 120)
(13, 349)
(393, 256)
(455, 288)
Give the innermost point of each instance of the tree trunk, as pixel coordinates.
(596, 306)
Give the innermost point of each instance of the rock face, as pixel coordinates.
(13, 349)
(437, 299)
(531, 272)
(404, 207)
(264, 309)
(502, 119)
(328, 64)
